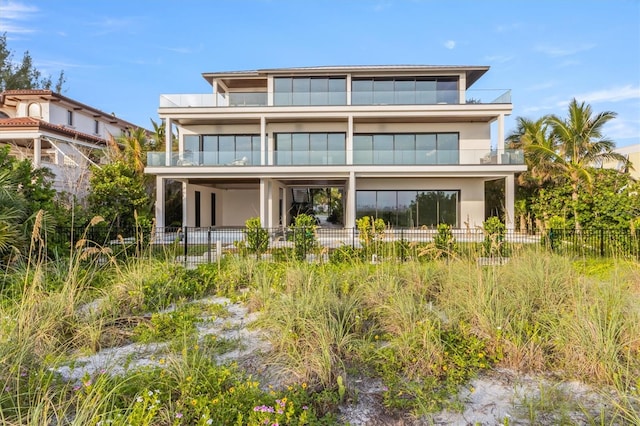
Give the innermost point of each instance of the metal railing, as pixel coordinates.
(458, 157)
(195, 245)
(332, 98)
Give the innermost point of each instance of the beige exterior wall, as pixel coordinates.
(239, 205)
(233, 206)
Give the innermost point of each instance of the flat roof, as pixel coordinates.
(473, 73)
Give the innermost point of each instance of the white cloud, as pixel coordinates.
(559, 51)
(538, 108)
(541, 86)
(113, 25)
(449, 44)
(508, 27)
(615, 94)
(498, 58)
(11, 13)
(622, 129)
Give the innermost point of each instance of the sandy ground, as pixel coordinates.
(497, 398)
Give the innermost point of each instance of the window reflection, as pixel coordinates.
(310, 148)
(404, 91)
(406, 148)
(310, 91)
(407, 209)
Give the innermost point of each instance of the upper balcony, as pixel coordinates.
(462, 157)
(335, 98)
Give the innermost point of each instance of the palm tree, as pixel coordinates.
(11, 214)
(575, 145)
(527, 134)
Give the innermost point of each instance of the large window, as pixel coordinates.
(404, 91)
(310, 148)
(212, 150)
(310, 91)
(408, 209)
(406, 148)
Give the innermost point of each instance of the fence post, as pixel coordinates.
(209, 245)
(186, 233)
(601, 242)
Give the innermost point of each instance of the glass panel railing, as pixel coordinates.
(309, 98)
(242, 99)
(421, 97)
(488, 96)
(312, 158)
(434, 157)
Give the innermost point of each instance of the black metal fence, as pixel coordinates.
(199, 245)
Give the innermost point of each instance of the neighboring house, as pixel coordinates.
(409, 144)
(57, 132)
(632, 154)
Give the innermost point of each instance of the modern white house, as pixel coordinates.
(632, 154)
(57, 132)
(410, 144)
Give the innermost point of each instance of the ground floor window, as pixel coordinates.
(409, 208)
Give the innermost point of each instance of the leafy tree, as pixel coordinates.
(564, 150)
(23, 75)
(117, 191)
(24, 190)
(613, 202)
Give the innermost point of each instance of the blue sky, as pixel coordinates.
(120, 55)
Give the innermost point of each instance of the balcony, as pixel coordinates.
(461, 157)
(279, 99)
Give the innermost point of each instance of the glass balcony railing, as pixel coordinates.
(461, 157)
(361, 98)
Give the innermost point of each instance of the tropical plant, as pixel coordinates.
(494, 232)
(117, 191)
(370, 230)
(566, 149)
(304, 235)
(444, 240)
(257, 236)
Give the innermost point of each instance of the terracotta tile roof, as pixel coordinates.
(49, 94)
(30, 122)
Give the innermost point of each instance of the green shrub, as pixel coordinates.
(370, 230)
(444, 241)
(257, 238)
(494, 233)
(304, 235)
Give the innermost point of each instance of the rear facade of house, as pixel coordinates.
(413, 145)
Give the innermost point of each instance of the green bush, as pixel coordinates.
(304, 235)
(257, 238)
(494, 233)
(444, 241)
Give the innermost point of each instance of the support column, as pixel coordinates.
(509, 202)
(269, 201)
(264, 184)
(37, 152)
(159, 202)
(168, 141)
(285, 206)
(263, 141)
(349, 141)
(185, 200)
(350, 214)
(500, 137)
